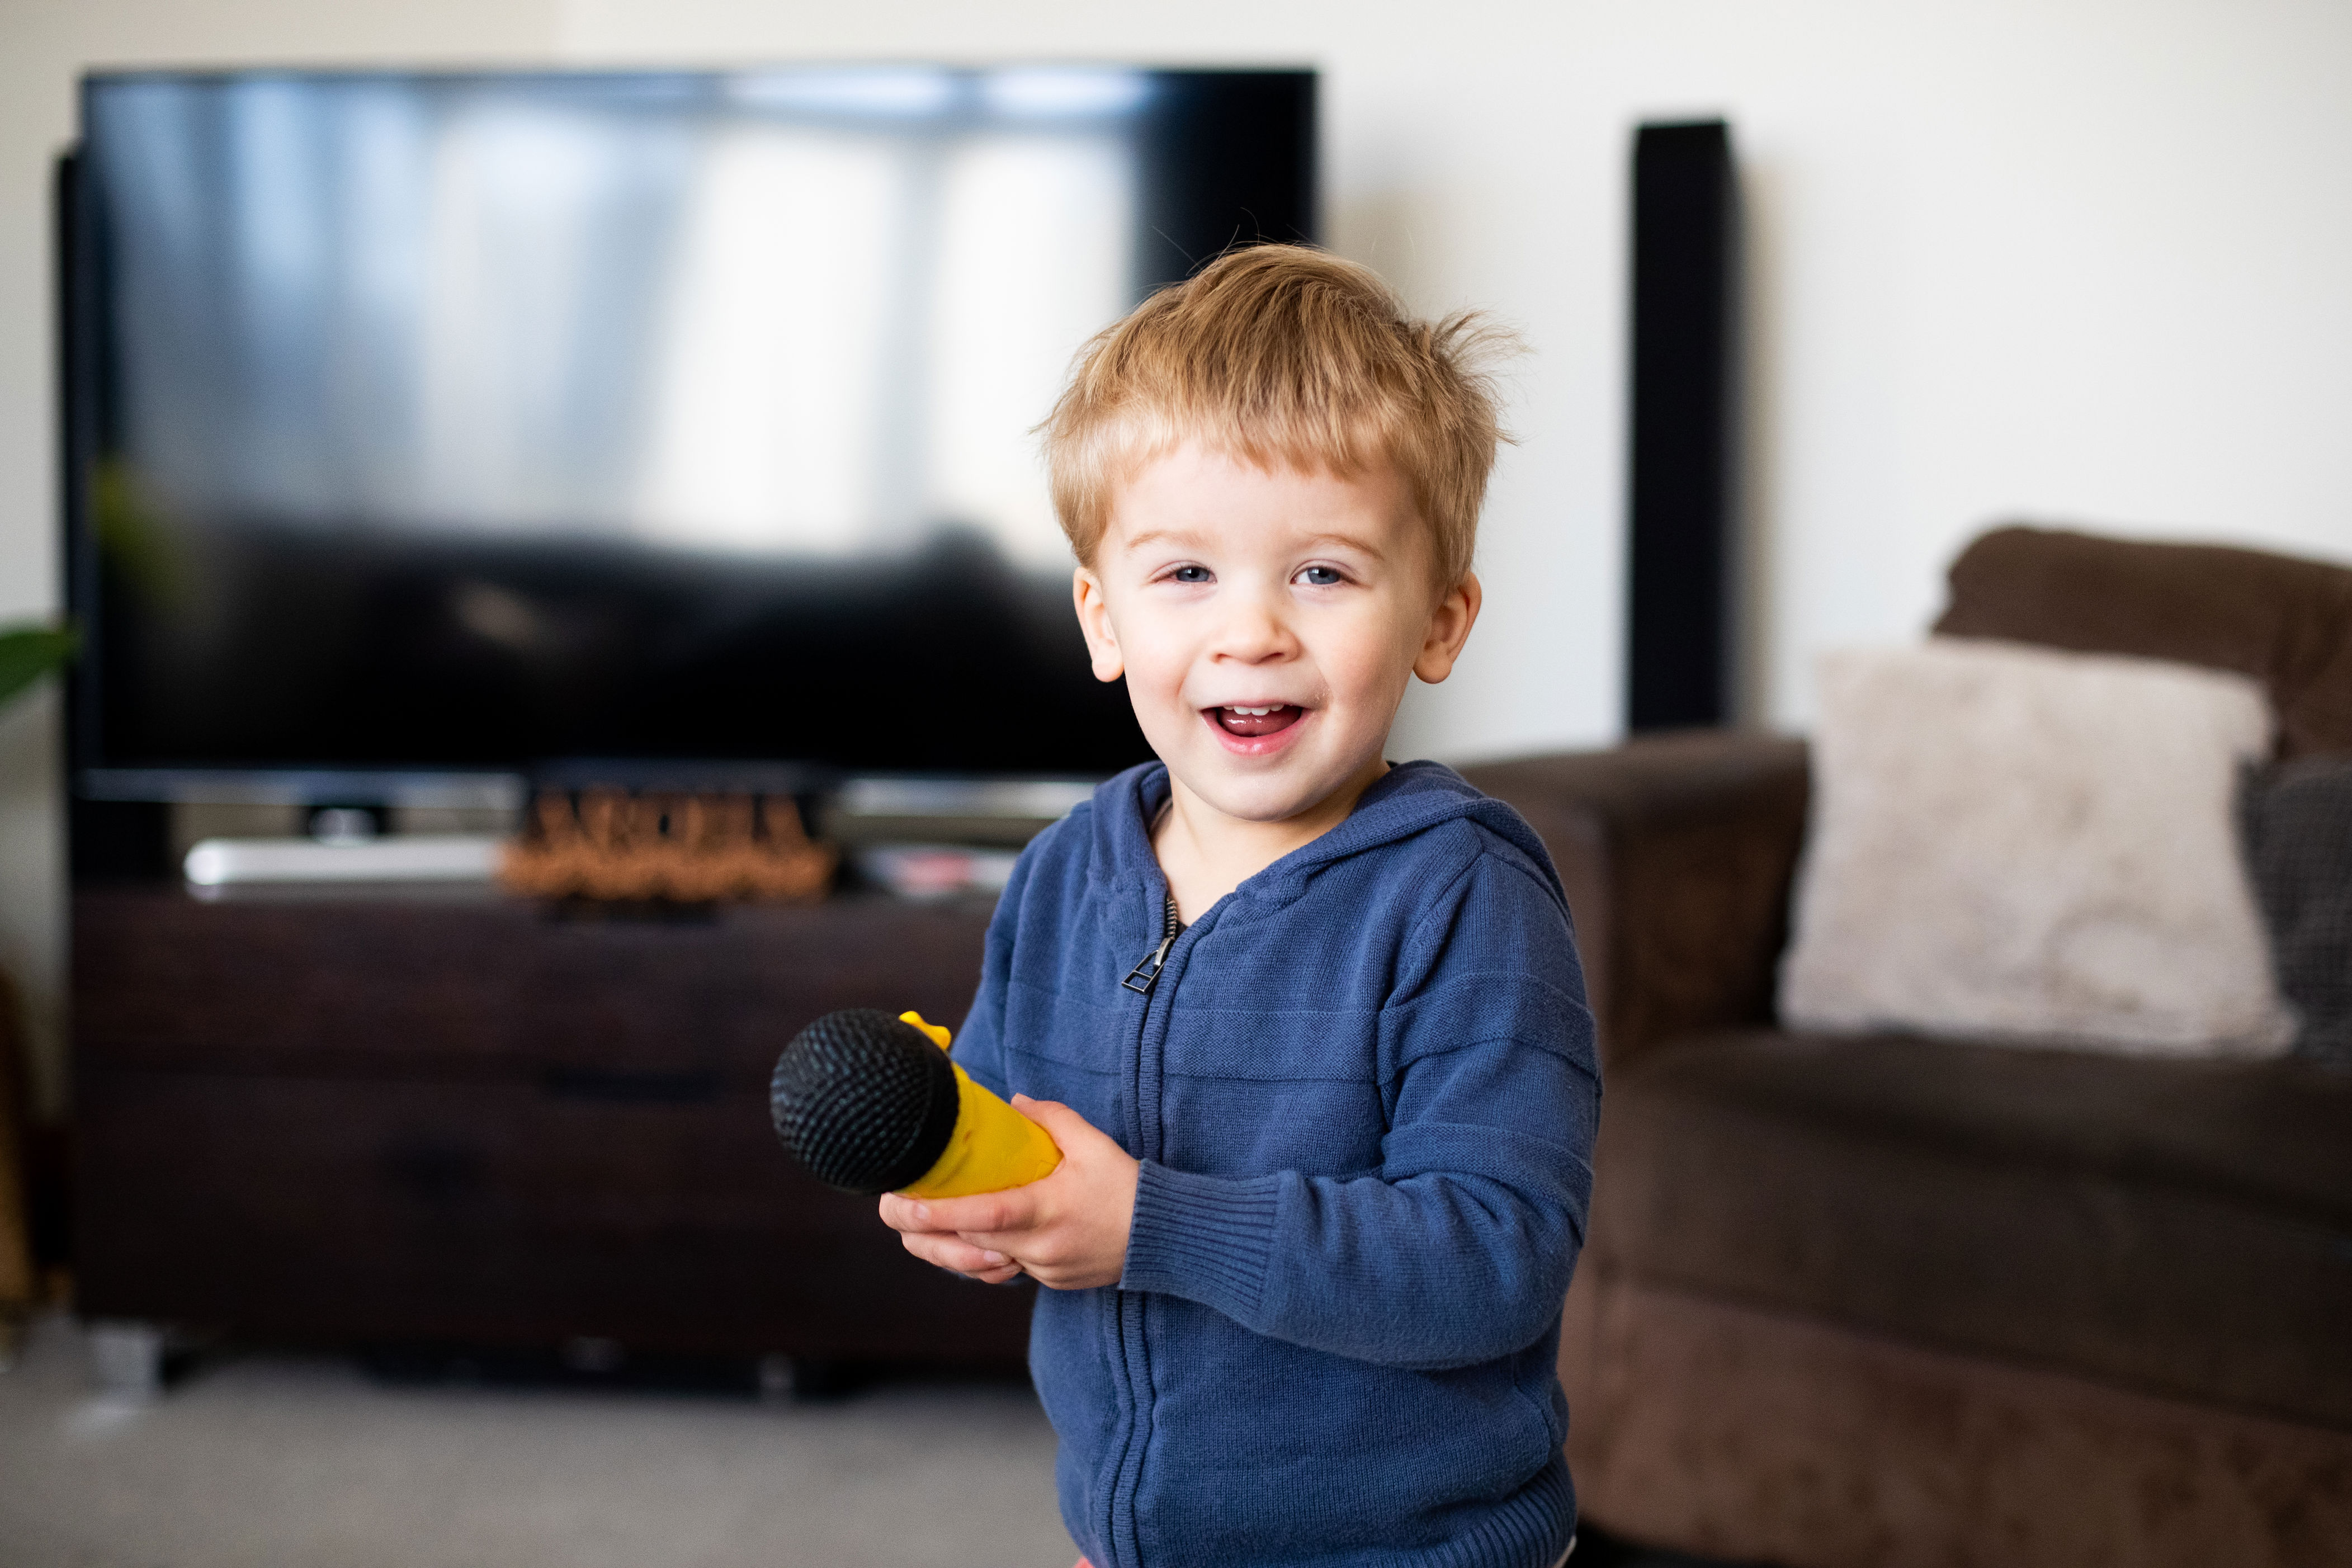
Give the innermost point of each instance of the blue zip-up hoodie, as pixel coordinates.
(1363, 1089)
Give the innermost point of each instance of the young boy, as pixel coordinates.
(1308, 1027)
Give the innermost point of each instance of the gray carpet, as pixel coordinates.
(259, 1460)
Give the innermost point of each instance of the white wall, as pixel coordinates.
(2075, 259)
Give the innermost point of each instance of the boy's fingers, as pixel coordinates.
(1069, 1130)
(903, 1214)
(952, 1252)
(1013, 1209)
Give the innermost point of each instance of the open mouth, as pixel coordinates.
(1252, 722)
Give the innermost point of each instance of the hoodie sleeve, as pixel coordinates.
(979, 1047)
(1458, 1248)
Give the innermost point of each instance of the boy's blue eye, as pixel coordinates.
(1190, 574)
(1322, 576)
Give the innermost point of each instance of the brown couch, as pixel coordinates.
(1857, 1301)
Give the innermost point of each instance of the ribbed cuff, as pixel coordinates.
(1205, 1238)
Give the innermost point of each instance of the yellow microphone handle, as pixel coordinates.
(994, 1147)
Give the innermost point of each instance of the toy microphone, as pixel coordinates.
(871, 1104)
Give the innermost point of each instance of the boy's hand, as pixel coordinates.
(1067, 1230)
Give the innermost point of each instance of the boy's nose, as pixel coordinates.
(1254, 632)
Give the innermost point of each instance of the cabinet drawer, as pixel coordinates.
(657, 1211)
(386, 986)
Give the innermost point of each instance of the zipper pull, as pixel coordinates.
(1140, 978)
(1148, 972)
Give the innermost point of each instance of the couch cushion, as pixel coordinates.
(2183, 1226)
(2285, 621)
(2027, 843)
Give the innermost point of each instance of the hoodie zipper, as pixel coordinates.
(1144, 975)
(1127, 1312)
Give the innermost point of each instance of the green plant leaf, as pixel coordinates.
(28, 653)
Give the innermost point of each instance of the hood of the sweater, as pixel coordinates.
(1408, 799)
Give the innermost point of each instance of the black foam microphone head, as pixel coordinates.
(864, 1100)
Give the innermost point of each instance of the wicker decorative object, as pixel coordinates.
(689, 848)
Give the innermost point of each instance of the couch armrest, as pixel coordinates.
(1677, 852)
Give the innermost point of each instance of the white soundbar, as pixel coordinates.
(420, 858)
(1042, 800)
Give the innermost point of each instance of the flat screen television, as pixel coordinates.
(444, 426)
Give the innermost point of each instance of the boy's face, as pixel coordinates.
(1266, 623)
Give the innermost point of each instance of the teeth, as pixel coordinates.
(1253, 712)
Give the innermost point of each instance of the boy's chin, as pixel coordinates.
(1266, 799)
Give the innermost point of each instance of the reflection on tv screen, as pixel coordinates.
(475, 421)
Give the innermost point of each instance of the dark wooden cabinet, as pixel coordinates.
(470, 1119)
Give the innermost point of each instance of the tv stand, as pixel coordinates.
(420, 1116)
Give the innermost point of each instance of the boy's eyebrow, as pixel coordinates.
(1155, 535)
(1188, 536)
(1351, 542)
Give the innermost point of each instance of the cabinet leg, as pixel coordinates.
(126, 1359)
(809, 1379)
(780, 1377)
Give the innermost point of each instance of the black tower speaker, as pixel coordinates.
(1208, 181)
(1680, 608)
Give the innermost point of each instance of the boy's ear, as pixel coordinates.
(1449, 629)
(1093, 619)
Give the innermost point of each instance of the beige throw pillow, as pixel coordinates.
(2010, 841)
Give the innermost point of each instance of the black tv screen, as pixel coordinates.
(446, 423)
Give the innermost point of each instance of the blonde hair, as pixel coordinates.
(1283, 355)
